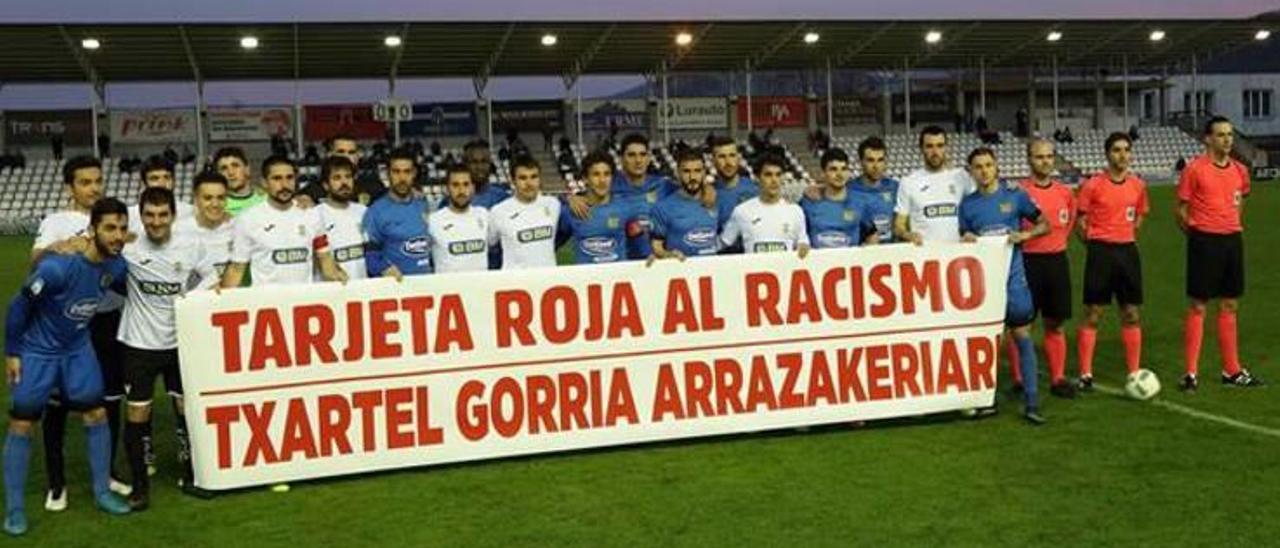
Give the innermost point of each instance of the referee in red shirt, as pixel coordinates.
(1211, 195)
(1111, 207)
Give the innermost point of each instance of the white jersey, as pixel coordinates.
(185, 211)
(932, 202)
(278, 245)
(346, 238)
(158, 274)
(779, 226)
(61, 225)
(215, 243)
(527, 232)
(459, 241)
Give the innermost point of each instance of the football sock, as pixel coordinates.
(1011, 354)
(135, 449)
(113, 430)
(1132, 337)
(53, 433)
(1193, 334)
(1086, 339)
(98, 438)
(1027, 355)
(17, 453)
(1055, 351)
(1228, 343)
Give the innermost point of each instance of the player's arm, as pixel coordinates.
(658, 238)
(802, 233)
(1082, 213)
(1028, 211)
(578, 206)
(902, 229)
(330, 270)
(233, 276)
(374, 259)
(732, 231)
(1141, 210)
(46, 277)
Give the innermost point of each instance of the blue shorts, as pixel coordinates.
(1019, 309)
(75, 375)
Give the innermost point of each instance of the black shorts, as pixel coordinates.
(1215, 265)
(1049, 277)
(104, 329)
(1112, 271)
(141, 367)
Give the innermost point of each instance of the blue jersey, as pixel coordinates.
(51, 313)
(642, 198)
(746, 189)
(835, 224)
(396, 234)
(686, 226)
(998, 213)
(602, 236)
(881, 198)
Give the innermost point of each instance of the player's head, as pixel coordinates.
(1119, 148)
(459, 185)
(157, 208)
(526, 177)
(479, 161)
(402, 172)
(280, 176)
(933, 146)
(83, 177)
(597, 171)
(691, 170)
(234, 165)
(1219, 135)
(725, 155)
(108, 226)
(344, 145)
(210, 190)
(769, 172)
(635, 155)
(157, 171)
(982, 166)
(338, 174)
(1041, 157)
(873, 155)
(835, 168)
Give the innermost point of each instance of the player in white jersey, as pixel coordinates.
(277, 242)
(158, 172)
(767, 222)
(459, 232)
(341, 216)
(162, 265)
(929, 198)
(525, 224)
(211, 226)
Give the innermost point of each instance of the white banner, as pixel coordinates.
(697, 113)
(160, 126)
(249, 124)
(298, 382)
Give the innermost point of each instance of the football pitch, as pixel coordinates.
(1184, 470)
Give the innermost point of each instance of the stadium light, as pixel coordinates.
(1157, 35)
(90, 43)
(811, 38)
(549, 40)
(933, 37)
(684, 39)
(392, 41)
(1054, 36)
(1262, 35)
(249, 42)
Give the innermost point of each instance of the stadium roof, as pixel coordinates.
(168, 52)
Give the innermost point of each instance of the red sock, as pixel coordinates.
(1086, 339)
(1132, 337)
(1055, 350)
(1011, 355)
(1193, 334)
(1227, 342)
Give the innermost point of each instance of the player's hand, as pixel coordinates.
(708, 199)
(1018, 237)
(803, 251)
(578, 206)
(303, 201)
(873, 239)
(813, 192)
(13, 369)
(71, 246)
(393, 272)
(915, 238)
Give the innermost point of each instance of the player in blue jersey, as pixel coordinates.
(873, 184)
(488, 193)
(838, 217)
(610, 223)
(682, 225)
(732, 185)
(998, 209)
(635, 184)
(397, 242)
(47, 347)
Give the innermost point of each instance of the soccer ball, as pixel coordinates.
(1142, 385)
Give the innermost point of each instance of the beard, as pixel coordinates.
(283, 196)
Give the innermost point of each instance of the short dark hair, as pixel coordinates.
(328, 143)
(1115, 138)
(207, 177)
(634, 139)
(597, 157)
(157, 196)
(718, 141)
(276, 159)
(455, 168)
(335, 163)
(980, 151)
(156, 163)
(833, 155)
(76, 164)
(770, 160)
(230, 152)
(871, 143)
(1208, 126)
(688, 155)
(106, 206)
(402, 153)
(931, 130)
(524, 161)
(475, 144)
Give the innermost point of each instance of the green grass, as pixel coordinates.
(1104, 471)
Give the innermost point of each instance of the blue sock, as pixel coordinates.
(99, 439)
(17, 455)
(1027, 357)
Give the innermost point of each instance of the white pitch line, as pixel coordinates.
(1195, 413)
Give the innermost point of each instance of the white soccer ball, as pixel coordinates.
(1142, 385)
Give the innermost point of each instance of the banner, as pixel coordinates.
(697, 113)
(527, 116)
(153, 126)
(440, 119)
(849, 111)
(293, 382)
(324, 121)
(768, 112)
(249, 124)
(926, 107)
(606, 114)
(36, 127)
